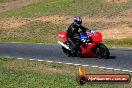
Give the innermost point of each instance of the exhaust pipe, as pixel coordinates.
(63, 45)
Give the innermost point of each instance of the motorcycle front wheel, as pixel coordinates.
(102, 52)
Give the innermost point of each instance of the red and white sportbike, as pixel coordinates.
(90, 44)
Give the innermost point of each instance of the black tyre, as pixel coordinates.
(102, 52)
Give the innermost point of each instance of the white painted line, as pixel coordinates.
(94, 66)
(25, 43)
(14, 42)
(76, 64)
(125, 70)
(68, 63)
(120, 48)
(109, 68)
(102, 67)
(8, 57)
(116, 69)
(31, 59)
(59, 62)
(49, 61)
(40, 60)
(129, 71)
(39, 43)
(19, 58)
(85, 65)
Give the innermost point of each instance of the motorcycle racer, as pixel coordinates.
(73, 30)
(87, 44)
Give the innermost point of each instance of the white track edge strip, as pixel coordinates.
(40, 60)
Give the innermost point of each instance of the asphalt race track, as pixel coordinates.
(119, 58)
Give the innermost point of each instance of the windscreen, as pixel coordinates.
(83, 36)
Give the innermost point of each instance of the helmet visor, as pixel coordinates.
(79, 22)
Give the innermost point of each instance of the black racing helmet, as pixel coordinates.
(77, 20)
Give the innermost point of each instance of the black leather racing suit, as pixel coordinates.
(72, 34)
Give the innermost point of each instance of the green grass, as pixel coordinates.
(36, 31)
(70, 7)
(30, 79)
(32, 74)
(3, 1)
(36, 9)
(126, 42)
(44, 32)
(107, 25)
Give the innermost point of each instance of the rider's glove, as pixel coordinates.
(93, 32)
(78, 38)
(90, 30)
